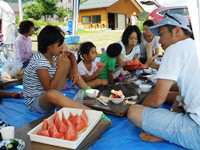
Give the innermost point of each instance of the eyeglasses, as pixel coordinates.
(168, 15)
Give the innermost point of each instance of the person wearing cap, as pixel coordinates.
(180, 65)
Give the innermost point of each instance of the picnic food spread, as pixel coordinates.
(67, 129)
(133, 65)
(117, 94)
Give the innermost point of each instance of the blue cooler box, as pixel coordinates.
(72, 39)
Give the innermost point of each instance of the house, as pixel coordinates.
(114, 14)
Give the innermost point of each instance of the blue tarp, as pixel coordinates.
(122, 135)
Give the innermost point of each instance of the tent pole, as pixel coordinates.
(20, 10)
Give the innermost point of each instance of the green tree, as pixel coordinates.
(61, 13)
(49, 6)
(33, 10)
(82, 1)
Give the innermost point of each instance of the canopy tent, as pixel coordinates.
(7, 16)
(75, 13)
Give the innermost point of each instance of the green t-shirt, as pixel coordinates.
(110, 65)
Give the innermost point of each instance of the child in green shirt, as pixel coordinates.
(109, 59)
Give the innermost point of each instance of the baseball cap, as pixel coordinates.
(172, 19)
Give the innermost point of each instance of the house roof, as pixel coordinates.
(91, 4)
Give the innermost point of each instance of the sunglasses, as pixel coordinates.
(168, 15)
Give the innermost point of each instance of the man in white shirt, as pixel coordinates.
(180, 65)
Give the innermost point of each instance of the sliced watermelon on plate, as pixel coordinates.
(71, 132)
(52, 130)
(84, 116)
(64, 120)
(57, 123)
(43, 132)
(45, 124)
(55, 115)
(63, 128)
(80, 125)
(59, 135)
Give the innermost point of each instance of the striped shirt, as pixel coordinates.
(31, 82)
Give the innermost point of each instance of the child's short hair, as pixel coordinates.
(49, 35)
(128, 31)
(84, 49)
(148, 23)
(24, 26)
(114, 50)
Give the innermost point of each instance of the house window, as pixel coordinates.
(86, 19)
(96, 19)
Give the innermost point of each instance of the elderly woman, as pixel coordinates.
(23, 44)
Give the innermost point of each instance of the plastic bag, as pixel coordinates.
(79, 96)
(11, 68)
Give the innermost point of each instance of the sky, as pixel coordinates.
(165, 3)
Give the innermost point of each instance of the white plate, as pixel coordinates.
(19, 147)
(93, 116)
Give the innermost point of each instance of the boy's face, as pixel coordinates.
(146, 31)
(133, 39)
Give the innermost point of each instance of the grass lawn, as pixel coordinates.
(100, 38)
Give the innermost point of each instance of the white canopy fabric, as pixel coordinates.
(8, 23)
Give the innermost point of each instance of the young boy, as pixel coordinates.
(109, 59)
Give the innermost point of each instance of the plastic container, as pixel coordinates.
(93, 116)
(145, 87)
(92, 93)
(117, 100)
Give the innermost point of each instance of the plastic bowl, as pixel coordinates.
(149, 77)
(145, 87)
(92, 93)
(148, 71)
(137, 82)
(117, 100)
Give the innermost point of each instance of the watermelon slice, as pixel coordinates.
(84, 116)
(57, 123)
(73, 119)
(52, 130)
(59, 135)
(45, 124)
(43, 132)
(70, 116)
(64, 120)
(99, 64)
(80, 125)
(71, 132)
(63, 128)
(55, 115)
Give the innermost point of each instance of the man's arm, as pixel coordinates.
(159, 94)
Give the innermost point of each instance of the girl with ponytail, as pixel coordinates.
(87, 66)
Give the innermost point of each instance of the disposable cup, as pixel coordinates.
(8, 132)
